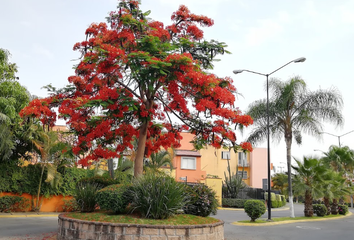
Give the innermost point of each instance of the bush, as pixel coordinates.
(70, 205)
(115, 198)
(85, 196)
(101, 181)
(157, 196)
(233, 202)
(13, 203)
(342, 209)
(320, 209)
(254, 209)
(201, 201)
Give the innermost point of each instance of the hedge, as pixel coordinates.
(20, 180)
(234, 202)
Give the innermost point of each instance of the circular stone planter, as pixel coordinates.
(79, 229)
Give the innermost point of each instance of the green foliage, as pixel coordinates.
(115, 198)
(254, 209)
(85, 196)
(7, 69)
(202, 201)
(70, 205)
(234, 202)
(320, 210)
(280, 182)
(157, 196)
(233, 182)
(13, 203)
(102, 181)
(343, 209)
(20, 180)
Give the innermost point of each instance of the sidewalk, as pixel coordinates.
(28, 214)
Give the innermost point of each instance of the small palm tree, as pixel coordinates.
(159, 160)
(341, 159)
(280, 182)
(294, 110)
(309, 178)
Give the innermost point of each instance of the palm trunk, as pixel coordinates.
(290, 189)
(308, 204)
(334, 207)
(328, 206)
(139, 159)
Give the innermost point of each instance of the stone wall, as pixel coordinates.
(87, 230)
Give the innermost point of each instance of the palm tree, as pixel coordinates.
(341, 159)
(159, 160)
(294, 110)
(334, 187)
(280, 182)
(309, 178)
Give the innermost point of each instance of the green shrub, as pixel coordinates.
(13, 203)
(115, 198)
(283, 199)
(343, 209)
(85, 196)
(233, 202)
(102, 181)
(157, 196)
(254, 209)
(70, 205)
(320, 209)
(201, 201)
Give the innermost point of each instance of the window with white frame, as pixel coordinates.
(225, 155)
(242, 159)
(244, 175)
(188, 163)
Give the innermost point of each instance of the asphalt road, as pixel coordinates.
(39, 228)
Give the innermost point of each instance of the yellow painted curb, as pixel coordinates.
(28, 215)
(290, 221)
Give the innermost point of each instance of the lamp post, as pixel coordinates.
(302, 59)
(338, 136)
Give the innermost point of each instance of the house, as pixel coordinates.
(195, 166)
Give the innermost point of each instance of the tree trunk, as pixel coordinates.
(328, 206)
(290, 189)
(37, 206)
(334, 207)
(308, 204)
(139, 159)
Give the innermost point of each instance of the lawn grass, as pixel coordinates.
(179, 219)
(282, 219)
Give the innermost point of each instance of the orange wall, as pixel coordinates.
(192, 175)
(185, 142)
(52, 204)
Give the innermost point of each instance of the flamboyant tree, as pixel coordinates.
(140, 79)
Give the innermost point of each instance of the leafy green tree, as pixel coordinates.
(13, 97)
(7, 69)
(293, 110)
(308, 179)
(280, 182)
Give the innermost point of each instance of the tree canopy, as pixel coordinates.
(140, 78)
(7, 69)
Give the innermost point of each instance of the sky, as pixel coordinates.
(261, 35)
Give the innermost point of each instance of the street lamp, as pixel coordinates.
(338, 136)
(302, 59)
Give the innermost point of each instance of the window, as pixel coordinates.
(188, 163)
(244, 176)
(242, 159)
(225, 155)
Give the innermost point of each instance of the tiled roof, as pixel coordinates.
(187, 153)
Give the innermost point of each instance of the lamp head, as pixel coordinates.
(302, 59)
(237, 71)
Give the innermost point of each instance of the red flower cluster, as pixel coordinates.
(246, 146)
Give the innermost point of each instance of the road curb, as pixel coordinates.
(289, 221)
(27, 215)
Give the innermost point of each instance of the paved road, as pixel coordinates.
(38, 228)
(339, 229)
